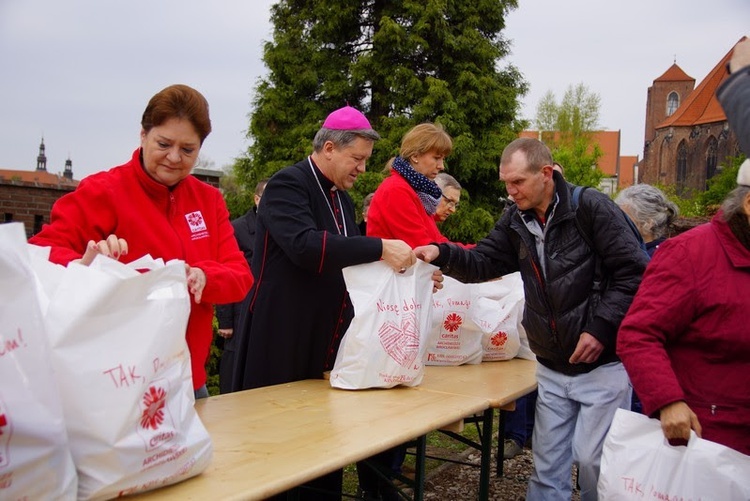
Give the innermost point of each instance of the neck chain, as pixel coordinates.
(328, 202)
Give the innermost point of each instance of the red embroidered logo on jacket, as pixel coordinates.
(196, 222)
(197, 225)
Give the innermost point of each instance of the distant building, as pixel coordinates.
(619, 171)
(28, 196)
(687, 135)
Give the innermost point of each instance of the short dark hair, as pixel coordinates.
(178, 101)
(537, 153)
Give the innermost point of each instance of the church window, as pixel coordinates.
(673, 102)
(711, 158)
(681, 168)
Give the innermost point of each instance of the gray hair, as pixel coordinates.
(445, 180)
(367, 201)
(650, 208)
(733, 203)
(342, 138)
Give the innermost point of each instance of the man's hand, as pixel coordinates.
(677, 419)
(398, 255)
(587, 350)
(437, 280)
(226, 333)
(427, 253)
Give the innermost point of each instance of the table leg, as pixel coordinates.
(419, 466)
(486, 438)
(500, 443)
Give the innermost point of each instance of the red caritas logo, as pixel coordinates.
(6, 430)
(196, 222)
(499, 339)
(154, 401)
(452, 322)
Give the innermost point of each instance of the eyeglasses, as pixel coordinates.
(453, 204)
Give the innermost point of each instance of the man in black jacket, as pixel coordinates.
(734, 94)
(230, 315)
(576, 297)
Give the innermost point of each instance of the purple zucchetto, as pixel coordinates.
(346, 118)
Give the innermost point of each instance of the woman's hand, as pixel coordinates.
(196, 282)
(111, 247)
(677, 419)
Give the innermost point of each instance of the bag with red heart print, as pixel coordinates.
(384, 345)
(35, 459)
(123, 368)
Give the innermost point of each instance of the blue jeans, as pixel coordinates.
(520, 422)
(573, 415)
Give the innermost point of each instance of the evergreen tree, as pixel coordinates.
(402, 63)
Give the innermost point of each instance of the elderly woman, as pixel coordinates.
(651, 211)
(405, 203)
(450, 197)
(685, 341)
(152, 205)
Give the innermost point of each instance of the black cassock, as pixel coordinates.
(298, 308)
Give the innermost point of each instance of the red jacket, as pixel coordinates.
(687, 333)
(155, 220)
(396, 212)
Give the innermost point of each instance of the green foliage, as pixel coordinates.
(212, 367)
(721, 184)
(702, 204)
(402, 63)
(238, 199)
(688, 203)
(567, 129)
(468, 224)
(579, 157)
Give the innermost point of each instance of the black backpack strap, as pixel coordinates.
(574, 203)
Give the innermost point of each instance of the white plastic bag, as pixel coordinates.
(123, 368)
(454, 338)
(384, 345)
(498, 310)
(35, 459)
(638, 463)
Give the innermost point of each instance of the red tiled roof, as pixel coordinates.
(701, 106)
(674, 74)
(608, 141)
(43, 178)
(625, 178)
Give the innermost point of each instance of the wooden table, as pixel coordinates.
(501, 383)
(271, 439)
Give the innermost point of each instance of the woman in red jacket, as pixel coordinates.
(404, 204)
(152, 205)
(685, 341)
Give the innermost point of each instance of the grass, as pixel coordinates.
(438, 444)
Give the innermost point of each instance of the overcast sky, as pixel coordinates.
(80, 72)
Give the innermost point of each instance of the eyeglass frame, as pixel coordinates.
(451, 203)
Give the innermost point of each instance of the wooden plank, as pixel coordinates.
(271, 439)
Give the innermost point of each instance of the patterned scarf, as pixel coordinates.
(428, 192)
